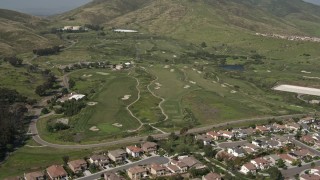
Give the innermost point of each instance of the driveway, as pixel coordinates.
(150, 160)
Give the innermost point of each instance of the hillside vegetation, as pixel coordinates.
(210, 18)
(20, 32)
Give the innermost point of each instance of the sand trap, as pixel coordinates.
(233, 91)
(63, 121)
(157, 88)
(186, 87)
(94, 128)
(192, 82)
(255, 71)
(126, 97)
(158, 84)
(87, 75)
(185, 67)
(214, 82)
(163, 52)
(92, 103)
(166, 66)
(222, 85)
(174, 56)
(297, 106)
(151, 65)
(171, 70)
(196, 62)
(228, 84)
(268, 71)
(309, 77)
(307, 72)
(193, 69)
(102, 73)
(199, 72)
(117, 125)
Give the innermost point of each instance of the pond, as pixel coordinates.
(233, 67)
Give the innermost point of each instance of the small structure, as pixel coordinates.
(261, 163)
(112, 176)
(236, 151)
(149, 147)
(125, 31)
(38, 175)
(77, 166)
(137, 172)
(56, 172)
(248, 168)
(77, 96)
(206, 139)
(99, 160)
(117, 155)
(158, 170)
(134, 151)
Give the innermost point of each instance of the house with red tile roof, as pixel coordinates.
(134, 151)
(215, 135)
(261, 163)
(287, 158)
(149, 147)
(56, 172)
(137, 172)
(212, 176)
(78, 166)
(248, 168)
(158, 170)
(38, 175)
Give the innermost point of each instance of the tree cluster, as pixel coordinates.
(12, 120)
(47, 51)
(42, 89)
(94, 27)
(72, 107)
(14, 61)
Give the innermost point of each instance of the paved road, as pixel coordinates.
(155, 159)
(311, 149)
(38, 139)
(293, 171)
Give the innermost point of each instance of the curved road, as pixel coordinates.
(38, 139)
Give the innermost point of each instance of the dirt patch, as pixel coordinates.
(171, 70)
(63, 121)
(94, 128)
(199, 72)
(233, 91)
(166, 66)
(192, 82)
(87, 75)
(117, 125)
(102, 73)
(92, 103)
(186, 87)
(126, 97)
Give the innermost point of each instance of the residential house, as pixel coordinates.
(175, 169)
(248, 168)
(112, 176)
(305, 127)
(192, 162)
(309, 177)
(307, 120)
(315, 170)
(158, 170)
(38, 175)
(278, 127)
(77, 166)
(248, 147)
(226, 134)
(180, 167)
(287, 158)
(236, 151)
(262, 129)
(212, 176)
(260, 143)
(302, 153)
(56, 172)
(118, 155)
(293, 126)
(134, 151)
(215, 135)
(307, 139)
(261, 163)
(273, 144)
(240, 133)
(206, 139)
(282, 140)
(149, 147)
(137, 172)
(99, 160)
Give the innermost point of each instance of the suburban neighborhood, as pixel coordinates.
(276, 149)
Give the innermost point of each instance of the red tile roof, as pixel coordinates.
(135, 149)
(56, 171)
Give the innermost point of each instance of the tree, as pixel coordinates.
(64, 91)
(45, 111)
(298, 134)
(183, 149)
(203, 44)
(281, 164)
(40, 90)
(14, 61)
(275, 173)
(173, 137)
(72, 83)
(184, 131)
(150, 139)
(65, 159)
(313, 165)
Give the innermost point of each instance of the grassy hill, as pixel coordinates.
(21, 32)
(201, 19)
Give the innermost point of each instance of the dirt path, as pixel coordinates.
(128, 107)
(162, 99)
